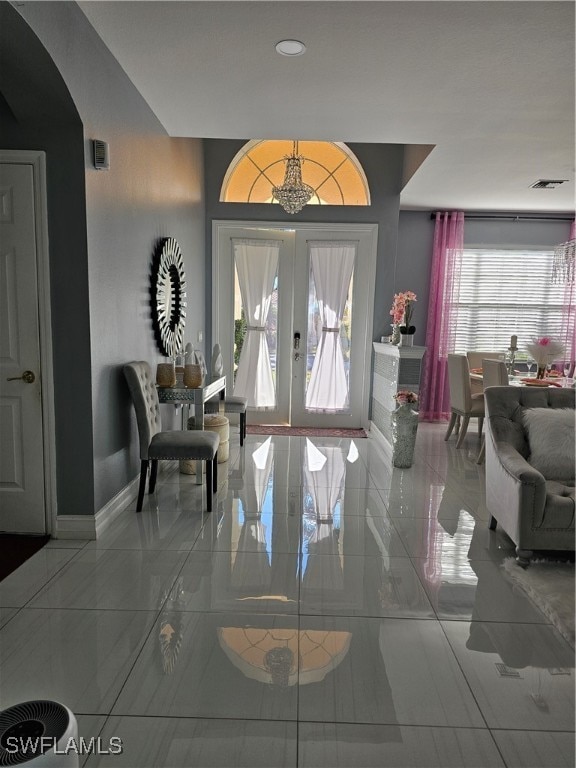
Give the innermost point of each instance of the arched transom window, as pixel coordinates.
(329, 167)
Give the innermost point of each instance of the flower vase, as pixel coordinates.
(166, 374)
(541, 372)
(404, 428)
(407, 339)
(396, 337)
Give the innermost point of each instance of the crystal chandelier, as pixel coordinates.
(293, 194)
(564, 265)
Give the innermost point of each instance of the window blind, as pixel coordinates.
(505, 292)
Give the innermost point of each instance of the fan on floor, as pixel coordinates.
(37, 733)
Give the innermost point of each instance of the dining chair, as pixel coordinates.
(463, 404)
(475, 360)
(156, 444)
(494, 374)
(229, 403)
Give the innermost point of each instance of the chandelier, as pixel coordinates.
(564, 264)
(293, 194)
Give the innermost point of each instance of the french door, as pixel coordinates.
(292, 311)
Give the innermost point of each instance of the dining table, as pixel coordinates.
(519, 379)
(185, 397)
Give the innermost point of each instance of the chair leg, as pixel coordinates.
(215, 473)
(480, 424)
(242, 427)
(453, 416)
(493, 523)
(457, 430)
(463, 430)
(142, 486)
(482, 452)
(153, 472)
(209, 484)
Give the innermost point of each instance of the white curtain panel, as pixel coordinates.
(331, 264)
(257, 265)
(324, 482)
(257, 476)
(252, 564)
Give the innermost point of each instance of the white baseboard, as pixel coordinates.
(75, 527)
(91, 526)
(117, 504)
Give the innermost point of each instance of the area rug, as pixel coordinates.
(15, 549)
(550, 586)
(303, 431)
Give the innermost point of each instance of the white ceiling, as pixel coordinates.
(490, 84)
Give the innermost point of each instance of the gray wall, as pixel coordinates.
(383, 165)
(506, 233)
(103, 227)
(154, 188)
(37, 112)
(416, 239)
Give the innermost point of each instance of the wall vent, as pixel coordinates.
(101, 156)
(547, 183)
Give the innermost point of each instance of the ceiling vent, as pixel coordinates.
(101, 156)
(547, 183)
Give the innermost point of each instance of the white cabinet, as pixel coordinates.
(395, 368)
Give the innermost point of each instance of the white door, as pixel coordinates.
(296, 323)
(22, 491)
(334, 273)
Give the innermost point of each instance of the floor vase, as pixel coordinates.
(404, 428)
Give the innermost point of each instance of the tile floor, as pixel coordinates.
(332, 611)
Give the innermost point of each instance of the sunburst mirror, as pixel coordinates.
(168, 298)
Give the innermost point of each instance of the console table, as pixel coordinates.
(196, 396)
(395, 368)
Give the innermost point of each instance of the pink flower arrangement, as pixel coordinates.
(405, 397)
(402, 309)
(545, 350)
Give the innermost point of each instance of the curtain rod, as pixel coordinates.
(509, 217)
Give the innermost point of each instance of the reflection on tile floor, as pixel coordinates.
(332, 610)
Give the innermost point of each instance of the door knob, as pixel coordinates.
(27, 376)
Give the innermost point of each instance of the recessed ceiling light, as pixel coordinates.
(290, 47)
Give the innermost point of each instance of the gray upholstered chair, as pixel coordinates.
(535, 510)
(230, 404)
(156, 444)
(463, 404)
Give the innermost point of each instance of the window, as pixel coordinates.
(505, 292)
(329, 167)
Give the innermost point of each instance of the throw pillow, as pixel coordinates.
(551, 440)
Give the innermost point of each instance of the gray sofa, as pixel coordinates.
(537, 512)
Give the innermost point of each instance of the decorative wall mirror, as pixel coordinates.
(168, 297)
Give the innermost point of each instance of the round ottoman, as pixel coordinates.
(214, 423)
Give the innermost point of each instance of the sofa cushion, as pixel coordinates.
(550, 434)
